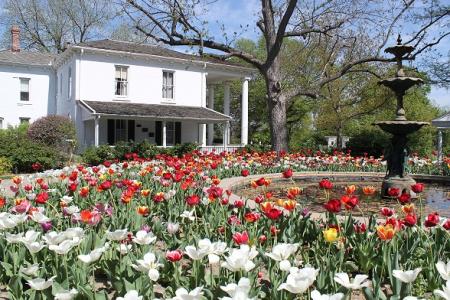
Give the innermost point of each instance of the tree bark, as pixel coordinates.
(278, 126)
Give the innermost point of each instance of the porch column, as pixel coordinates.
(96, 131)
(226, 105)
(226, 132)
(211, 106)
(439, 144)
(244, 110)
(202, 127)
(164, 134)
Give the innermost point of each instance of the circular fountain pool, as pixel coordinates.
(436, 197)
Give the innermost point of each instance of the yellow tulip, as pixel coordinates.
(330, 235)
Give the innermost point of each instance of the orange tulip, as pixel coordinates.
(369, 190)
(143, 210)
(290, 204)
(408, 208)
(386, 232)
(254, 184)
(266, 206)
(145, 193)
(294, 192)
(17, 180)
(350, 189)
(279, 202)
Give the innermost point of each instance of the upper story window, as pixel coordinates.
(121, 84)
(168, 85)
(1, 123)
(69, 84)
(24, 89)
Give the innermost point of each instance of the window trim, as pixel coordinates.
(24, 120)
(127, 89)
(173, 86)
(69, 83)
(20, 89)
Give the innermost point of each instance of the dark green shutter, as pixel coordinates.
(131, 130)
(111, 132)
(177, 133)
(158, 133)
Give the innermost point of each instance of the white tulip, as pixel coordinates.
(240, 259)
(445, 292)
(315, 295)
(117, 235)
(124, 249)
(358, 282)
(67, 199)
(34, 247)
(282, 251)
(285, 265)
(31, 270)
(198, 253)
(172, 228)
(444, 269)
(148, 264)
(406, 276)
(73, 232)
(63, 248)
(72, 209)
(66, 295)
(188, 215)
(94, 255)
(14, 238)
(144, 238)
(299, 280)
(40, 284)
(39, 217)
(130, 295)
(237, 291)
(217, 249)
(183, 294)
(30, 236)
(9, 221)
(53, 238)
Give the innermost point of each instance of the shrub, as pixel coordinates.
(96, 155)
(5, 166)
(53, 131)
(23, 153)
(372, 142)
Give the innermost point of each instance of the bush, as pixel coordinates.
(372, 142)
(5, 166)
(22, 153)
(53, 131)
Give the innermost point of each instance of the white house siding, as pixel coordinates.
(42, 93)
(66, 105)
(97, 78)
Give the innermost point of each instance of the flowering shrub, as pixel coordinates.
(165, 228)
(53, 131)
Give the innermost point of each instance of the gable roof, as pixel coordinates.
(155, 111)
(154, 50)
(442, 122)
(26, 58)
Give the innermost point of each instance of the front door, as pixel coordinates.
(120, 130)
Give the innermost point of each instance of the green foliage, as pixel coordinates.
(372, 141)
(53, 131)
(23, 153)
(122, 150)
(5, 166)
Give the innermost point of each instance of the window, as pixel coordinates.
(24, 120)
(121, 84)
(121, 131)
(24, 89)
(167, 88)
(69, 84)
(170, 133)
(1, 123)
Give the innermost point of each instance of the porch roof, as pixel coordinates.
(442, 122)
(155, 111)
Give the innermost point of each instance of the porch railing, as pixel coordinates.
(220, 148)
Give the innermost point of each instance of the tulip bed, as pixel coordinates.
(165, 229)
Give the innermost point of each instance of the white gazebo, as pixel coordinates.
(441, 123)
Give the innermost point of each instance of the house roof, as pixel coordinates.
(442, 122)
(156, 111)
(26, 58)
(154, 50)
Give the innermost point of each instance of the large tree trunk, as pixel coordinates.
(339, 137)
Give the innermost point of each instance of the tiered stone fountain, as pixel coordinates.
(396, 154)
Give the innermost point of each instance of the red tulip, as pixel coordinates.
(404, 198)
(174, 255)
(42, 198)
(262, 239)
(410, 220)
(273, 213)
(238, 203)
(349, 201)
(417, 188)
(192, 200)
(387, 212)
(393, 192)
(432, 220)
(333, 206)
(240, 238)
(252, 217)
(446, 224)
(325, 184)
(245, 172)
(288, 173)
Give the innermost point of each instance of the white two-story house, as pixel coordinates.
(120, 91)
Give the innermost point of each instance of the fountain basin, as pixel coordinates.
(400, 127)
(400, 84)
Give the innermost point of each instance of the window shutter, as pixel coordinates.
(111, 132)
(131, 129)
(158, 133)
(177, 132)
